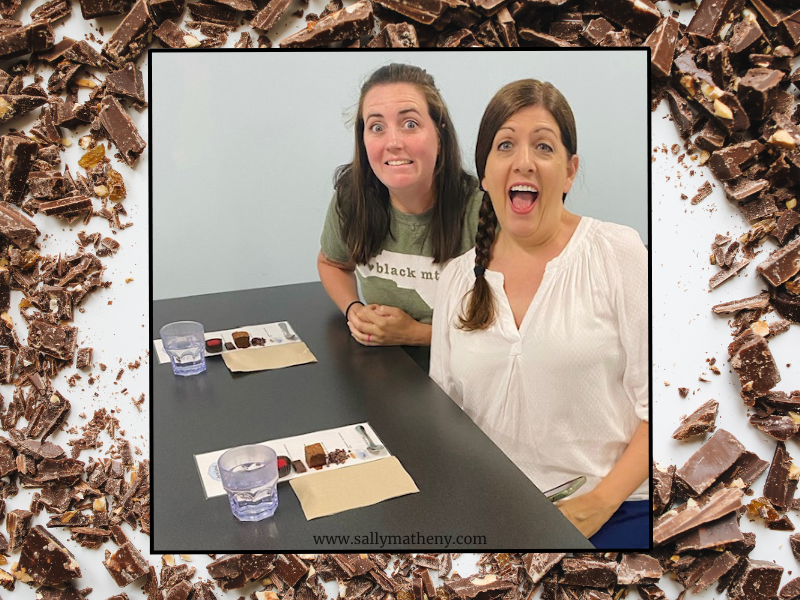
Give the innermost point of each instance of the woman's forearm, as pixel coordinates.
(632, 468)
(338, 280)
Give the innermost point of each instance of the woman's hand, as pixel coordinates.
(588, 512)
(378, 325)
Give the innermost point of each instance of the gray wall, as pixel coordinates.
(244, 146)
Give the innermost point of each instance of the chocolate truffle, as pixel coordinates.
(284, 466)
(214, 345)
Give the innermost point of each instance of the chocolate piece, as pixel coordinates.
(780, 485)
(470, 588)
(781, 428)
(587, 571)
(401, 35)
(751, 359)
(241, 339)
(710, 138)
(266, 18)
(743, 189)
(638, 568)
(126, 565)
(289, 567)
(753, 302)
(130, 38)
(212, 13)
(91, 9)
(41, 450)
(84, 358)
(284, 466)
(18, 525)
(213, 345)
(681, 113)
(53, 413)
(18, 154)
(724, 275)
(759, 580)
(782, 264)
(120, 128)
(677, 522)
(662, 487)
(700, 421)
(711, 535)
(710, 17)
(258, 341)
(757, 91)
(662, 43)
(721, 565)
(791, 591)
(298, 466)
(788, 31)
(56, 340)
(787, 223)
(597, 29)
(17, 227)
(782, 524)
(787, 305)
(46, 185)
(34, 37)
(229, 346)
(316, 455)
(7, 360)
(709, 462)
(640, 17)
(66, 206)
(506, 27)
(44, 560)
(728, 162)
(81, 52)
(748, 38)
(542, 39)
(702, 193)
(350, 22)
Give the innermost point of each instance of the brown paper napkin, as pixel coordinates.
(268, 357)
(331, 492)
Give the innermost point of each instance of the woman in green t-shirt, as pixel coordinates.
(403, 207)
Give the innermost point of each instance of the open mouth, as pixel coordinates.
(399, 163)
(523, 197)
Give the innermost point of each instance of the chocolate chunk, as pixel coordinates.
(289, 567)
(677, 522)
(423, 11)
(702, 193)
(350, 22)
(470, 587)
(56, 340)
(788, 31)
(759, 580)
(597, 29)
(539, 564)
(34, 37)
(713, 458)
(401, 35)
(66, 206)
(786, 225)
(710, 17)
(212, 13)
(18, 525)
(640, 17)
(245, 5)
(542, 39)
(91, 9)
(17, 227)
(662, 44)
(782, 524)
(727, 274)
(753, 302)
(17, 156)
(126, 565)
(638, 568)
(710, 138)
(700, 421)
(711, 535)
(121, 130)
(779, 427)
(681, 112)
(781, 484)
(84, 358)
(787, 305)
(720, 565)
(131, 37)
(728, 162)
(744, 189)
(757, 91)
(752, 360)
(46, 185)
(267, 17)
(791, 591)
(782, 264)
(44, 560)
(591, 572)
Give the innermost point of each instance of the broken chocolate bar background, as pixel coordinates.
(74, 441)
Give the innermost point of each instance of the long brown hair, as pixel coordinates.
(363, 202)
(510, 99)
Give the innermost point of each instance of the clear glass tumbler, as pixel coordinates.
(184, 342)
(250, 476)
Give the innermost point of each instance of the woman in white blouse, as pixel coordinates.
(540, 331)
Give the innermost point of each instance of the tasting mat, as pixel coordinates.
(345, 438)
(330, 492)
(279, 350)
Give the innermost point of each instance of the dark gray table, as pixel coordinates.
(468, 487)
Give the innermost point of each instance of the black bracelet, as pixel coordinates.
(347, 310)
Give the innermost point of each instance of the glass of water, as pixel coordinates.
(250, 476)
(184, 342)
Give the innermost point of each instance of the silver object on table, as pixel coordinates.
(372, 447)
(289, 335)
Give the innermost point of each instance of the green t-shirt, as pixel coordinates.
(403, 273)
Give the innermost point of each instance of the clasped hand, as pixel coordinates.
(588, 512)
(378, 325)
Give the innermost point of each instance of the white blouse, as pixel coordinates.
(563, 395)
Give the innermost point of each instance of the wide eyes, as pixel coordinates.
(380, 127)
